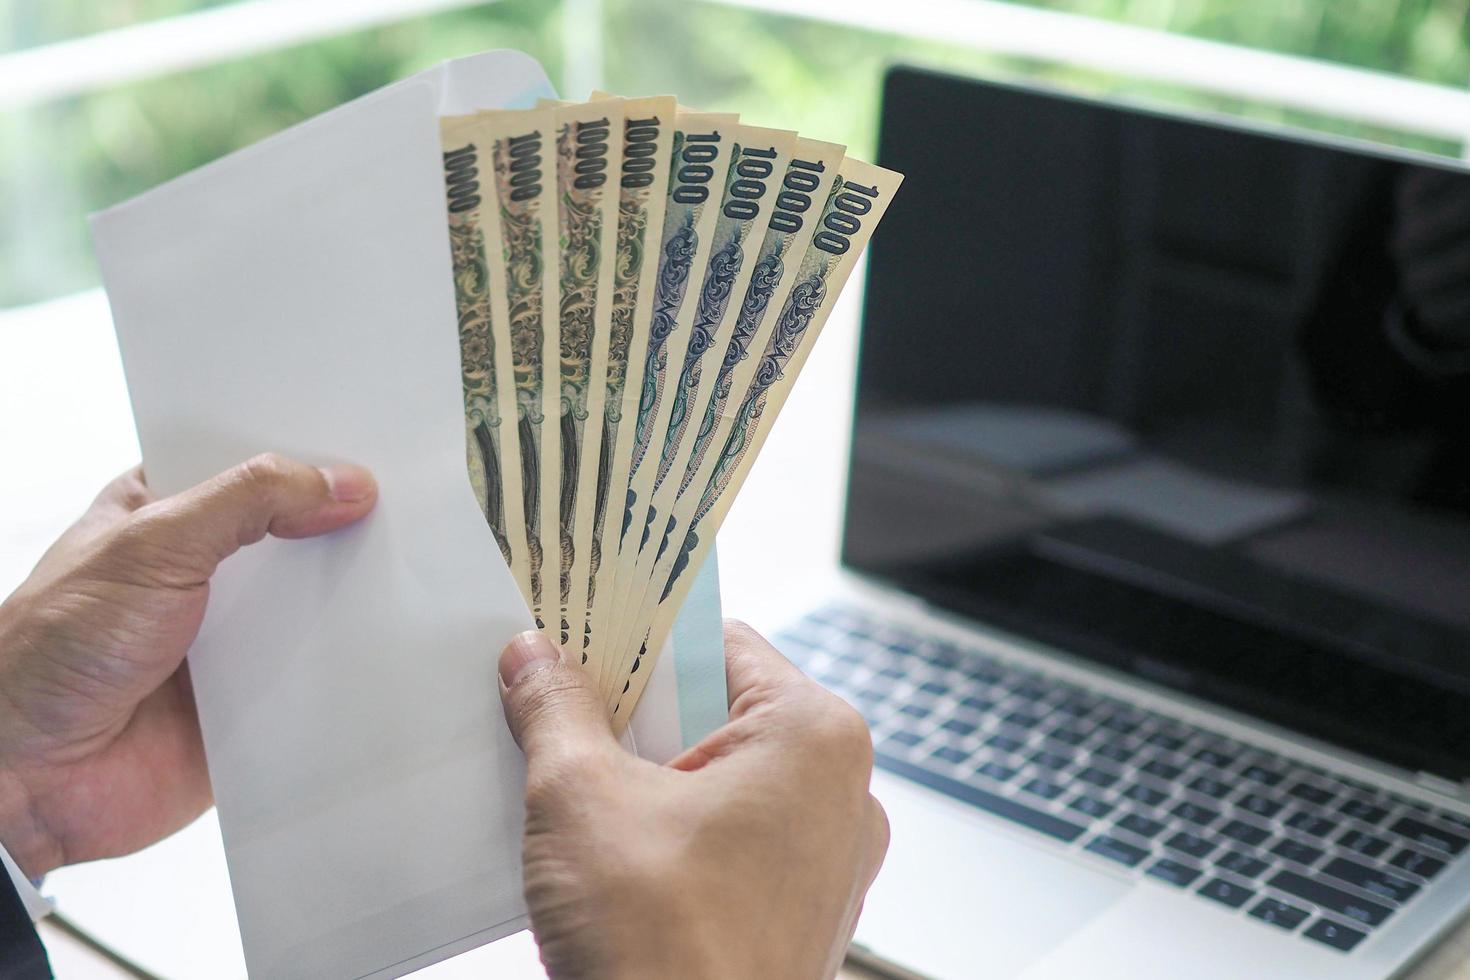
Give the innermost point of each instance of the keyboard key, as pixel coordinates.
(1146, 795)
(1454, 818)
(1241, 864)
(1123, 724)
(919, 711)
(1114, 752)
(1166, 741)
(1310, 823)
(1030, 692)
(1051, 760)
(1161, 770)
(1067, 736)
(1330, 898)
(996, 771)
(1296, 851)
(1191, 844)
(1174, 872)
(1195, 813)
(1005, 743)
(1137, 823)
(1334, 934)
(1371, 880)
(1262, 774)
(1000, 806)
(1021, 719)
(1091, 806)
(1429, 835)
(1097, 777)
(905, 738)
(1245, 832)
(1044, 789)
(959, 726)
(1363, 810)
(1211, 786)
(1280, 914)
(1226, 893)
(1216, 758)
(935, 688)
(1311, 793)
(1116, 850)
(1259, 804)
(950, 754)
(976, 703)
(1415, 863)
(1363, 843)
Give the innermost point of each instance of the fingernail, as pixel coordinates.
(526, 654)
(349, 484)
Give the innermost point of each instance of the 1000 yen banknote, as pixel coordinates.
(806, 183)
(757, 164)
(698, 159)
(647, 138)
(589, 152)
(468, 196)
(853, 209)
(524, 288)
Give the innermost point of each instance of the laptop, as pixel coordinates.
(1157, 544)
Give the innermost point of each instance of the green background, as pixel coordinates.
(61, 160)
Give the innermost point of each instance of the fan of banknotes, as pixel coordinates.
(638, 286)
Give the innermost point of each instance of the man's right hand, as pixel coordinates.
(747, 856)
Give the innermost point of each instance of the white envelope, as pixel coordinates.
(295, 296)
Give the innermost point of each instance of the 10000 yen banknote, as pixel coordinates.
(588, 155)
(484, 369)
(854, 207)
(647, 138)
(523, 292)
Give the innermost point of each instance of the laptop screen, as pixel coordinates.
(1188, 399)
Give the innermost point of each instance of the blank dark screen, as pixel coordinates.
(1189, 399)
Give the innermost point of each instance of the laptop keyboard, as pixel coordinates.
(1289, 845)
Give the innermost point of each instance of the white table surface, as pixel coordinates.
(66, 429)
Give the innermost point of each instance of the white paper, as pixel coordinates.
(296, 297)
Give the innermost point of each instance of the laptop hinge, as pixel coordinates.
(1442, 786)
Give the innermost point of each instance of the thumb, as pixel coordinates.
(189, 534)
(551, 705)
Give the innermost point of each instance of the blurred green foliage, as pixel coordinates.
(61, 160)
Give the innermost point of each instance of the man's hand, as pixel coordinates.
(748, 856)
(100, 752)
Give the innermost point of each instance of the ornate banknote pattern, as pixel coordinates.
(523, 152)
(636, 287)
(586, 171)
(854, 207)
(464, 199)
(644, 175)
(757, 162)
(701, 149)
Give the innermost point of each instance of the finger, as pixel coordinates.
(754, 669)
(550, 704)
(189, 534)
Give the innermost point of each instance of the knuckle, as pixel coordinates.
(269, 471)
(882, 829)
(847, 733)
(570, 773)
